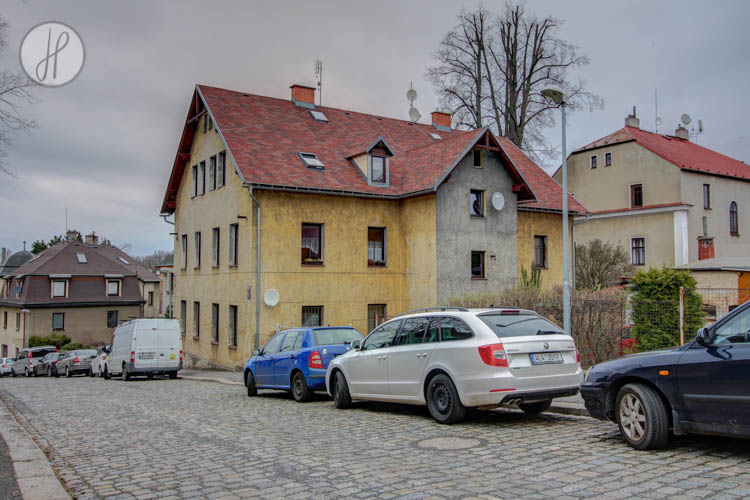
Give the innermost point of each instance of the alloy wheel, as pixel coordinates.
(633, 417)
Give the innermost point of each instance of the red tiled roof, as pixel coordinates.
(548, 192)
(680, 152)
(264, 135)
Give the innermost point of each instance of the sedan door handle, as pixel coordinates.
(381, 358)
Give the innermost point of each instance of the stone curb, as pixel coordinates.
(34, 475)
(224, 381)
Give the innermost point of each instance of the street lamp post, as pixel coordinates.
(558, 97)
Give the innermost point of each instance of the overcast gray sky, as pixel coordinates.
(106, 142)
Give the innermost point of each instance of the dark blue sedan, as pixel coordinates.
(702, 387)
(296, 360)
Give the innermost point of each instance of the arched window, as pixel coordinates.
(733, 222)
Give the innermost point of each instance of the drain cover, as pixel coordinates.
(449, 443)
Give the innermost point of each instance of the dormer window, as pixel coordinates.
(377, 169)
(311, 160)
(113, 288)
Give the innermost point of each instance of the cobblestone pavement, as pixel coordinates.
(186, 438)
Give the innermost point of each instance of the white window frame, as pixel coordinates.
(65, 288)
(119, 288)
(644, 250)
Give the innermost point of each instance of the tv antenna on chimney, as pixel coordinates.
(411, 94)
(319, 76)
(658, 121)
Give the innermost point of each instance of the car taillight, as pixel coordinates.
(4, 365)
(180, 355)
(132, 356)
(578, 354)
(315, 361)
(30, 363)
(75, 360)
(493, 355)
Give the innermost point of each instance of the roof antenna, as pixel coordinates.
(411, 94)
(24, 246)
(658, 121)
(319, 76)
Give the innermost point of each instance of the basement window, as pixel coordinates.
(311, 160)
(318, 116)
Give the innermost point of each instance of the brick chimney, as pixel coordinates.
(3, 255)
(682, 133)
(303, 96)
(632, 120)
(92, 239)
(72, 235)
(441, 121)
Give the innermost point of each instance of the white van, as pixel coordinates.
(145, 347)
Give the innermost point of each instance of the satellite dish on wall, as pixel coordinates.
(498, 201)
(271, 297)
(685, 118)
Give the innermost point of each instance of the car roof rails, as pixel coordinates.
(428, 309)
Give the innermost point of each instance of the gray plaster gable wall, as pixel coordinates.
(458, 234)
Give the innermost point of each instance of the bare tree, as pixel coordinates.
(600, 264)
(491, 69)
(15, 90)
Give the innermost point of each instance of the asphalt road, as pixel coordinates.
(181, 438)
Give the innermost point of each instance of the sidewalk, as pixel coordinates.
(571, 405)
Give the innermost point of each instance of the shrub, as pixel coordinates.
(656, 303)
(600, 264)
(74, 345)
(57, 340)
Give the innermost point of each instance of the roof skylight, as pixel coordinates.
(435, 136)
(311, 160)
(123, 260)
(81, 258)
(318, 116)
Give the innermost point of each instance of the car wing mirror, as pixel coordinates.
(704, 336)
(356, 345)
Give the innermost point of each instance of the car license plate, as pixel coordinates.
(171, 356)
(541, 358)
(146, 355)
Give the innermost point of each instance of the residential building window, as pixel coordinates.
(636, 195)
(183, 257)
(5, 320)
(5, 351)
(196, 319)
(312, 315)
(195, 181)
(477, 158)
(202, 178)
(477, 203)
(234, 231)
(205, 122)
(706, 196)
(212, 173)
(607, 159)
(150, 298)
(81, 258)
(376, 249)
(215, 239)
(197, 254)
(18, 321)
(540, 252)
(58, 321)
(593, 161)
(638, 251)
(59, 288)
(378, 169)
(111, 319)
(375, 316)
(312, 244)
(113, 288)
(477, 265)
(183, 316)
(215, 323)
(233, 326)
(221, 169)
(734, 226)
(311, 160)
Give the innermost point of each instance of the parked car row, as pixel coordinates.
(139, 347)
(451, 359)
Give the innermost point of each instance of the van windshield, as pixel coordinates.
(336, 336)
(520, 325)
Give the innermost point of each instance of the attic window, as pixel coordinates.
(311, 160)
(435, 136)
(123, 260)
(318, 116)
(81, 258)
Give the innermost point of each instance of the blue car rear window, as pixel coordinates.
(336, 336)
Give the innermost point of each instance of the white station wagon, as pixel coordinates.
(453, 358)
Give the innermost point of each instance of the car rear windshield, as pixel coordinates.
(42, 352)
(86, 352)
(520, 325)
(336, 336)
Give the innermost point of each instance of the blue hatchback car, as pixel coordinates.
(296, 360)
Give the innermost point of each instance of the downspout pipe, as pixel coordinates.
(573, 237)
(257, 269)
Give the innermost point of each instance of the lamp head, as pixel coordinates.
(555, 95)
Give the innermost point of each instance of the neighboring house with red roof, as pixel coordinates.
(665, 199)
(347, 218)
(82, 289)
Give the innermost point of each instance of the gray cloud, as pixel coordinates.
(106, 142)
